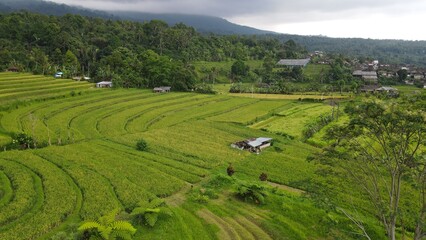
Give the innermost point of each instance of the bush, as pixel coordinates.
(251, 192)
(141, 145)
(263, 177)
(230, 170)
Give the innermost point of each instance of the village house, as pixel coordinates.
(369, 77)
(390, 91)
(254, 145)
(162, 89)
(104, 84)
(294, 62)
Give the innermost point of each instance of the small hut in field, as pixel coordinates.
(104, 84)
(254, 145)
(165, 89)
(13, 69)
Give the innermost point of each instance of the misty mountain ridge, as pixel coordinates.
(203, 24)
(390, 51)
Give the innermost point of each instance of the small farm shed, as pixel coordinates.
(294, 62)
(254, 145)
(58, 75)
(369, 88)
(162, 89)
(13, 69)
(390, 91)
(104, 84)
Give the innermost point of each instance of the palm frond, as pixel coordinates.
(151, 218)
(166, 211)
(138, 211)
(89, 225)
(109, 217)
(121, 235)
(155, 203)
(106, 232)
(123, 226)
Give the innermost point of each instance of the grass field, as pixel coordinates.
(90, 164)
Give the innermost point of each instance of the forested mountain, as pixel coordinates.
(389, 51)
(203, 24)
(49, 8)
(131, 54)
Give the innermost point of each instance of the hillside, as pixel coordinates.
(49, 8)
(204, 24)
(389, 51)
(386, 51)
(83, 163)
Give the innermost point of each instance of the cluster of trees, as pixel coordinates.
(129, 53)
(389, 51)
(379, 157)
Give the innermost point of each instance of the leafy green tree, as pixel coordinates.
(251, 192)
(268, 64)
(402, 74)
(381, 149)
(108, 227)
(239, 69)
(141, 145)
(149, 212)
(230, 170)
(71, 62)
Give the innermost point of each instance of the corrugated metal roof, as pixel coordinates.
(386, 89)
(364, 73)
(104, 82)
(258, 142)
(294, 62)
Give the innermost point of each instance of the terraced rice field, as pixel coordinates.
(90, 165)
(23, 87)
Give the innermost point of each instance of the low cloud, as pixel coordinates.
(269, 14)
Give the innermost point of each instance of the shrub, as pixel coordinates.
(251, 192)
(21, 141)
(263, 177)
(141, 145)
(230, 170)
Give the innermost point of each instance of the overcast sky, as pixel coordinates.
(379, 19)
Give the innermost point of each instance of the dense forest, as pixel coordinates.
(389, 51)
(129, 53)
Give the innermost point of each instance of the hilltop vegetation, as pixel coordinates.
(389, 51)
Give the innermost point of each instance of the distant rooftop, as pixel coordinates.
(364, 73)
(294, 62)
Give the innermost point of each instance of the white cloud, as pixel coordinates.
(336, 18)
